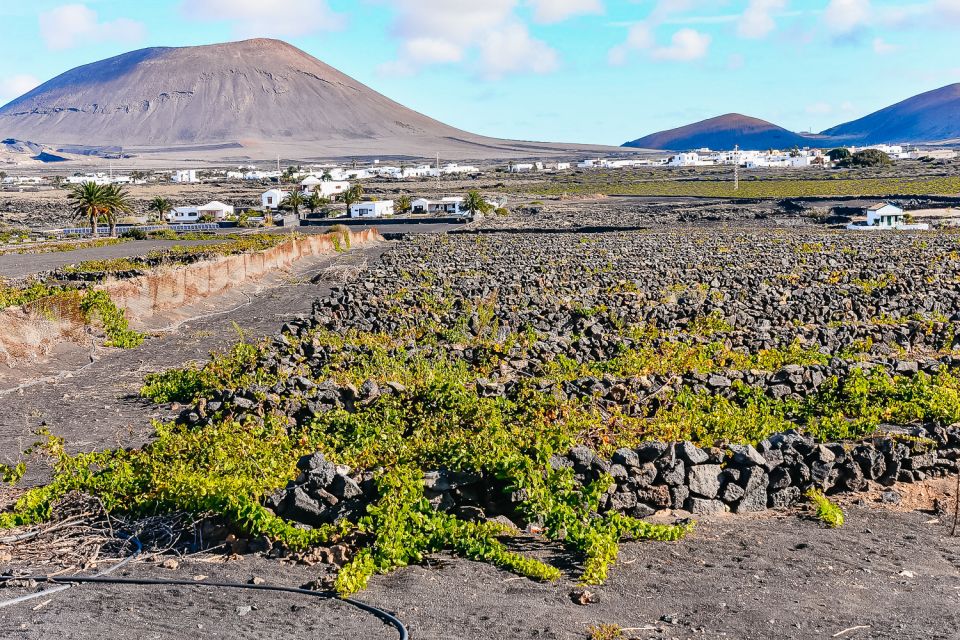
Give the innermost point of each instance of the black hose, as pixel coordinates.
(331, 595)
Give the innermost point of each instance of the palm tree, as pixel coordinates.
(294, 201)
(117, 201)
(353, 195)
(475, 202)
(326, 177)
(161, 206)
(89, 202)
(315, 201)
(403, 204)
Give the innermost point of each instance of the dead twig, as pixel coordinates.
(846, 631)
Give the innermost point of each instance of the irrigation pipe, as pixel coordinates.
(64, 584)
(67, 582)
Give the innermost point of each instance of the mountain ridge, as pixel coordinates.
(262, 94)
(929, 117)
(722, 132)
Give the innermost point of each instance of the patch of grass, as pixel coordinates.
(106, 266)
(229, 369)
(605, 631)
(97, 304)
(827, 512)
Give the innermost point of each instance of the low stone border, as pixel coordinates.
(656, 475)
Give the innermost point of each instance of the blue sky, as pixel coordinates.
(600, 71)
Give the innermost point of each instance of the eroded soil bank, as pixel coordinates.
(49, 339)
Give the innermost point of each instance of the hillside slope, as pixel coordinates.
(723, 132)
(929, 117)
(219, 98)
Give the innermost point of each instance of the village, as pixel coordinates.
(323, 193)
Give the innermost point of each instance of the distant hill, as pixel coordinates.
(723, 132)
(234, 100)
(929, 117)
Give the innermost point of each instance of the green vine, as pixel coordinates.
(98, 304)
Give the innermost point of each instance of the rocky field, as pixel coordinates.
(583, 387)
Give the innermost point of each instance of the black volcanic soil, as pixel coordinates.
(884, 575)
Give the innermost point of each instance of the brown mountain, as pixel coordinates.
(723, 132)
(263, 96)
(929, 117)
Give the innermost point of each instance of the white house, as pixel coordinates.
(420, 171)
(456, 169)
(216, 210)
(185, 176)
(885, 216)
(522, 167)
(326, 188)
(261, 175)
(99, 178)
(449, 206)
(271, 199)
(184, 214)
(373, 209)
(691, 159)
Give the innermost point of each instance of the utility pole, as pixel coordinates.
(736, 167)
(439, 187)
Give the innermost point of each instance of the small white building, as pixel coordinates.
(420, 171)
(184, 215)
(457, 169)
(216, 210)
(326, 188)
(372, 209)
(185, 176)
(691, 159)
(885, 216)
(447, 206)
(522, 167)
(271, 199)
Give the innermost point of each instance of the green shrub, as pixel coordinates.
(828, 513)
(98, 304)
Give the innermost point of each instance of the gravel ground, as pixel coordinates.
(891, 574)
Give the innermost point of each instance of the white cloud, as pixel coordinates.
(552, 11)
(757, 20)
(260, 18)
(846, 16)
(73, 25)
(686, 45)
(949, 9)
(16, 85)
(882, 47)
(511, 49)
(446, 31)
